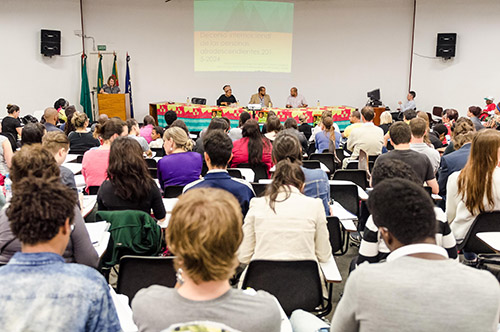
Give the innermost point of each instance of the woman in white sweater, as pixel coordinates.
(476, 188)
(285, 224)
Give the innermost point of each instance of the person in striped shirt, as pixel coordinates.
(372, 248)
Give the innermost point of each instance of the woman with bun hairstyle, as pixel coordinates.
(80, 140)
(11, 123)
(285, 224)
(180, 166)
(95, 161)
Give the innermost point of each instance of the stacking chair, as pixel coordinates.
(358, 176)
(311, 164)
(172, 191)
(259, 188)
(152, 167)
(234, 173)
(159, 152)
(79, 159)
(340, 156)
(347, 196)
(328, 159)
(138, 272)
(93, 190)
(198, 101)
(260, 170)
(296, 284)
(484, 222)
(339, 238)
(352, 164)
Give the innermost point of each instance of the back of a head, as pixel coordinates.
(70, 111)
(32, 133)
(302, 119)
(180, 124)
(463, 133)
(385, 118)
(12, 108)
(60, 103)
(49, 113)
(54, 141)
(38, 208)
(180, 138)
(79, 120)
(413, 94)
(273, 124)
(328, 123)
(422, 115)
(244, 117)
(149, 120)
(103, 118)
(368, 113)
(217, 123)
(416, 219)
(159, 130)
(127, 170)
(131, 123)
(218, 147)
(32, 161)
(204, 233)
(291, 123)
(109, 128)
(400, 133)
(418, 127)
(287, 174)
(287, 146)
(170, 117)
(251, 129)
(475, 110)
(439, 129)
(451, 114)
(409, 115)
(393, 169)
(356, 114)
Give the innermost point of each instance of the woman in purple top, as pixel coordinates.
(180, 166)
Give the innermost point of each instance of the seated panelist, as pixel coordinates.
(295, 100)
(227, 98)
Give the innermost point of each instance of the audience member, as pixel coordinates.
(462, 136)
(11, 123)
(368, 137)
(400, 137)
(68, 126)
(476, 188)
(261, 98)
(456, 133)
(39, 291)
(156, 135)
(449, 117)
(318, 129)
(32, 134)
(432, 284)
(100, 120)
(291, 127)
(170, 117)
(494, 120)
(215, 124)
(408, 115)
(253, 148)
(95, 161)
(133, 132)
(473, 113)
(316, 185)
(181, 124)
(285, 224)
(5, 156)
(385, 121)
(438, 135)
(490, 105)
(35, 162)
(80, 140)
(273, 126)
(328, 138)
(355, 120)
(236, 133)
(218, 154)
(305, 127)
(204, 234)
(418, 128)
(147, 128)
(129, 185)
(372, 248)
(422, 115)
(51, 117)
(180, 166)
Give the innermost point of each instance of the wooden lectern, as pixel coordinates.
(114, 105)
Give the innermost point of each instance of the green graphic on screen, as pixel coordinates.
(240, 35)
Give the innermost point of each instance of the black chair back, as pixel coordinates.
(159, 152)
(373, 158)
(172, 191)
(259, 188)
(484, 222)
(340, 155)
(260, 170)
(335, 231)
(328, 159)
(358, 176)
(437, 111)
(352, 164)
(93, 190)
(311, 164)
(151, 163)
(79, 159)
(198, 101)
(138, 272)
(347, 196)
(234, 173)
(296, 284)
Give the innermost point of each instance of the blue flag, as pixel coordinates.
(128, 87)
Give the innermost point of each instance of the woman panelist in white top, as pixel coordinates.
(285, 224)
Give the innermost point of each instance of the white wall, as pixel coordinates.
(341, 50)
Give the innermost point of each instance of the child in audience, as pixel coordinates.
(156, 135)
(204, 234)
(146, 130)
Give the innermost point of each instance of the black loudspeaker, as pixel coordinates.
(446, 43)
(50, 42)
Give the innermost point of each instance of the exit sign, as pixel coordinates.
(101, 47)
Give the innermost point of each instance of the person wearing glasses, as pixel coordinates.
(227, 98)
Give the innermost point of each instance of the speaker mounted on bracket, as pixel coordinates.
(50, 42)
(446, 45)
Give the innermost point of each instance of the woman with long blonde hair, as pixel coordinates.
(476, 188)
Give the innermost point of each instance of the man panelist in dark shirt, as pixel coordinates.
(227, 98)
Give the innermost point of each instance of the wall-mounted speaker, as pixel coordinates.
(446, 44)
(50, 42)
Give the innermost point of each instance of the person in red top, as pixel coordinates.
(253, 148)
(490, 106)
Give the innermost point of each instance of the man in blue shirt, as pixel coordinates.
(218, 153)
(40, 292)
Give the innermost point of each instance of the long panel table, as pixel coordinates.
(198, 117)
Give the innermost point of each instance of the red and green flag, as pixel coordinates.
(85, 100)
(100, 79)
(115, 71)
